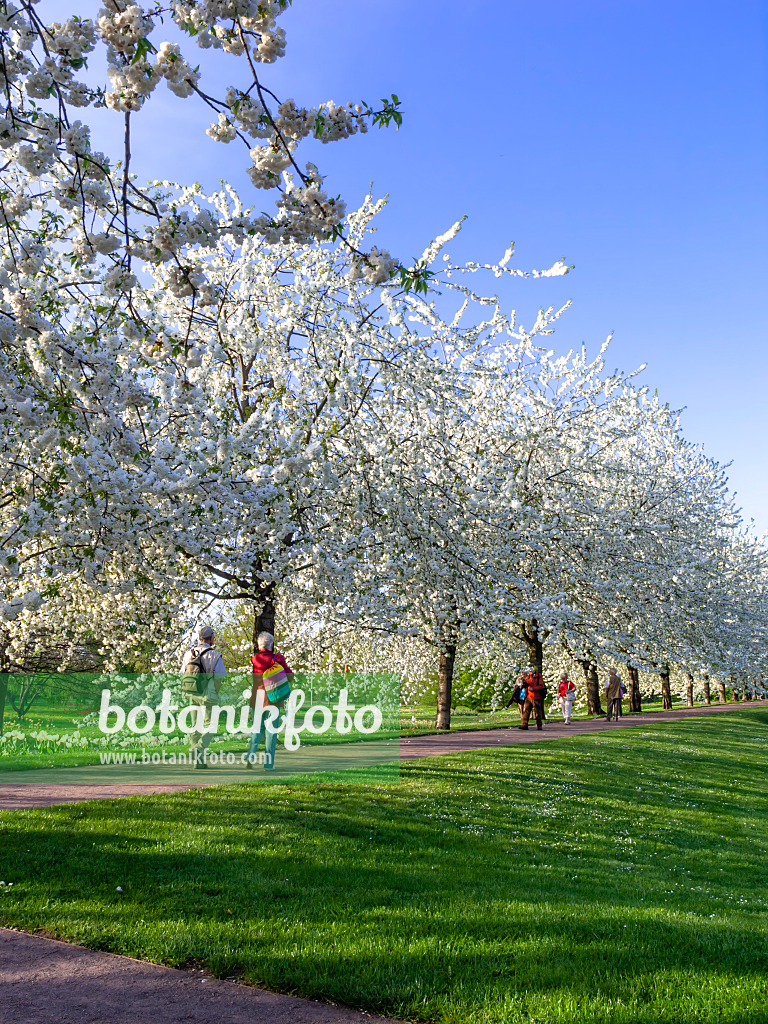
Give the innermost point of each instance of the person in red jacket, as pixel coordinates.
(534, 698)
(567, 693)
(260, 662)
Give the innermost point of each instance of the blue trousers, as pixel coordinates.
(270, 741)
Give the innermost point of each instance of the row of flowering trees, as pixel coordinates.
(202, 405)
(581, 521)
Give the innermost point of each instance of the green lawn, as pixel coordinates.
(619, 877)
(414, 721)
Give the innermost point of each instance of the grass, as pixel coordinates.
(607, 878)
(415, 721)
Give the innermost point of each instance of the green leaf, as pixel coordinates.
(143, 47)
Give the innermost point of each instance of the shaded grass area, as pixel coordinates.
(606, 878)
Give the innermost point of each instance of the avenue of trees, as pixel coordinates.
(207, 407)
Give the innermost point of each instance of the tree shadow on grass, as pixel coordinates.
(327, 869)
(456, 889)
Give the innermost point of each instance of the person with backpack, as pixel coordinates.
(202, 672)
(567, 692)
(273, 677)
(518, 697)
(536, 691)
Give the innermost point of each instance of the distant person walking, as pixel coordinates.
(209, 667)
(536, 691)
(613, 694)
(518, 696)
(265, 659)
(567, 692)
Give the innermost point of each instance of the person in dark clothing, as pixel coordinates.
(534, 699)
(613, 694)
(518, 696)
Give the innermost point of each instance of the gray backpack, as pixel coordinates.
(195, 680)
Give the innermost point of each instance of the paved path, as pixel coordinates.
(33, 791)
(554, 729)
(48, 982)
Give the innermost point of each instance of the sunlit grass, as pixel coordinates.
(615, 878)
(415, 720)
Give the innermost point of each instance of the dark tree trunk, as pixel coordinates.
(734, 692)
(722, 693)
(666, 693)
(589, 669)
(445, 686)
(264, 622)
(707, 691)
(689, 692)
(534, 642)
(3, 676)
(29, 689)
(3, 692)
(635, 700)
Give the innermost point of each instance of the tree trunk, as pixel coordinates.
(635, 700)
(707, 691)
(589, 669)
(722, 694)
(689, 692)
(264, 622)
(666, 693)
(3, 692)
(734, 693)
(4, 666)
(529, 633)
(445, 686)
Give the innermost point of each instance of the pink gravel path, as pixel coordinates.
(16, 797)
(43, 981)
(554, 729)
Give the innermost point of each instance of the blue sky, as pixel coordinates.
(628, 137)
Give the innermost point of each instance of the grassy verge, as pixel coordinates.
(414, 721)
(608, 878)
(29, 760)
